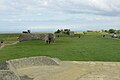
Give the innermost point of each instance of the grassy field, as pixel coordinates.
(9, 38)
(90, 47)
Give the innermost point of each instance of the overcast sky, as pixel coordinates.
(49, 15)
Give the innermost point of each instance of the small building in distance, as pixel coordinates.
(65, 31)
(71, 33)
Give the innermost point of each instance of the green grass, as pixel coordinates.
(90, 47)
(9, 38)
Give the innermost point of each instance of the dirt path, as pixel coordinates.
(3, 45)
(74, 71)
(12, 43)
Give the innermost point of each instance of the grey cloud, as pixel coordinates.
(95, 7)
(88, 7)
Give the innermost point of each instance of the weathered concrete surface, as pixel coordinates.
(74, 71)
(31, 61)
(37, 36)
(8, 69)
(3, 66)
(25, 77)
(8, 75)
(46, 68)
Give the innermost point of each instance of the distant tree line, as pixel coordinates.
(65, 31)
(28, 31)
(112, 31)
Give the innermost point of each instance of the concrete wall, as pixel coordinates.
(10, 72)
(8, 75)
(32, 61)
(42, 36)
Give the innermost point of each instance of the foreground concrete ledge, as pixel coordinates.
(74, 70)
(32, 61)
(47, 68)
(12, 65)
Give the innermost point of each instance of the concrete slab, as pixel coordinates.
(74, 70)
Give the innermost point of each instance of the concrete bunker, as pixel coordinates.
(32, 61)
(8, 69)
(47, 37)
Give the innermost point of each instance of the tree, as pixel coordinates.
(106, 30)
(29, 31)
(111, 31)
(58, 31)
